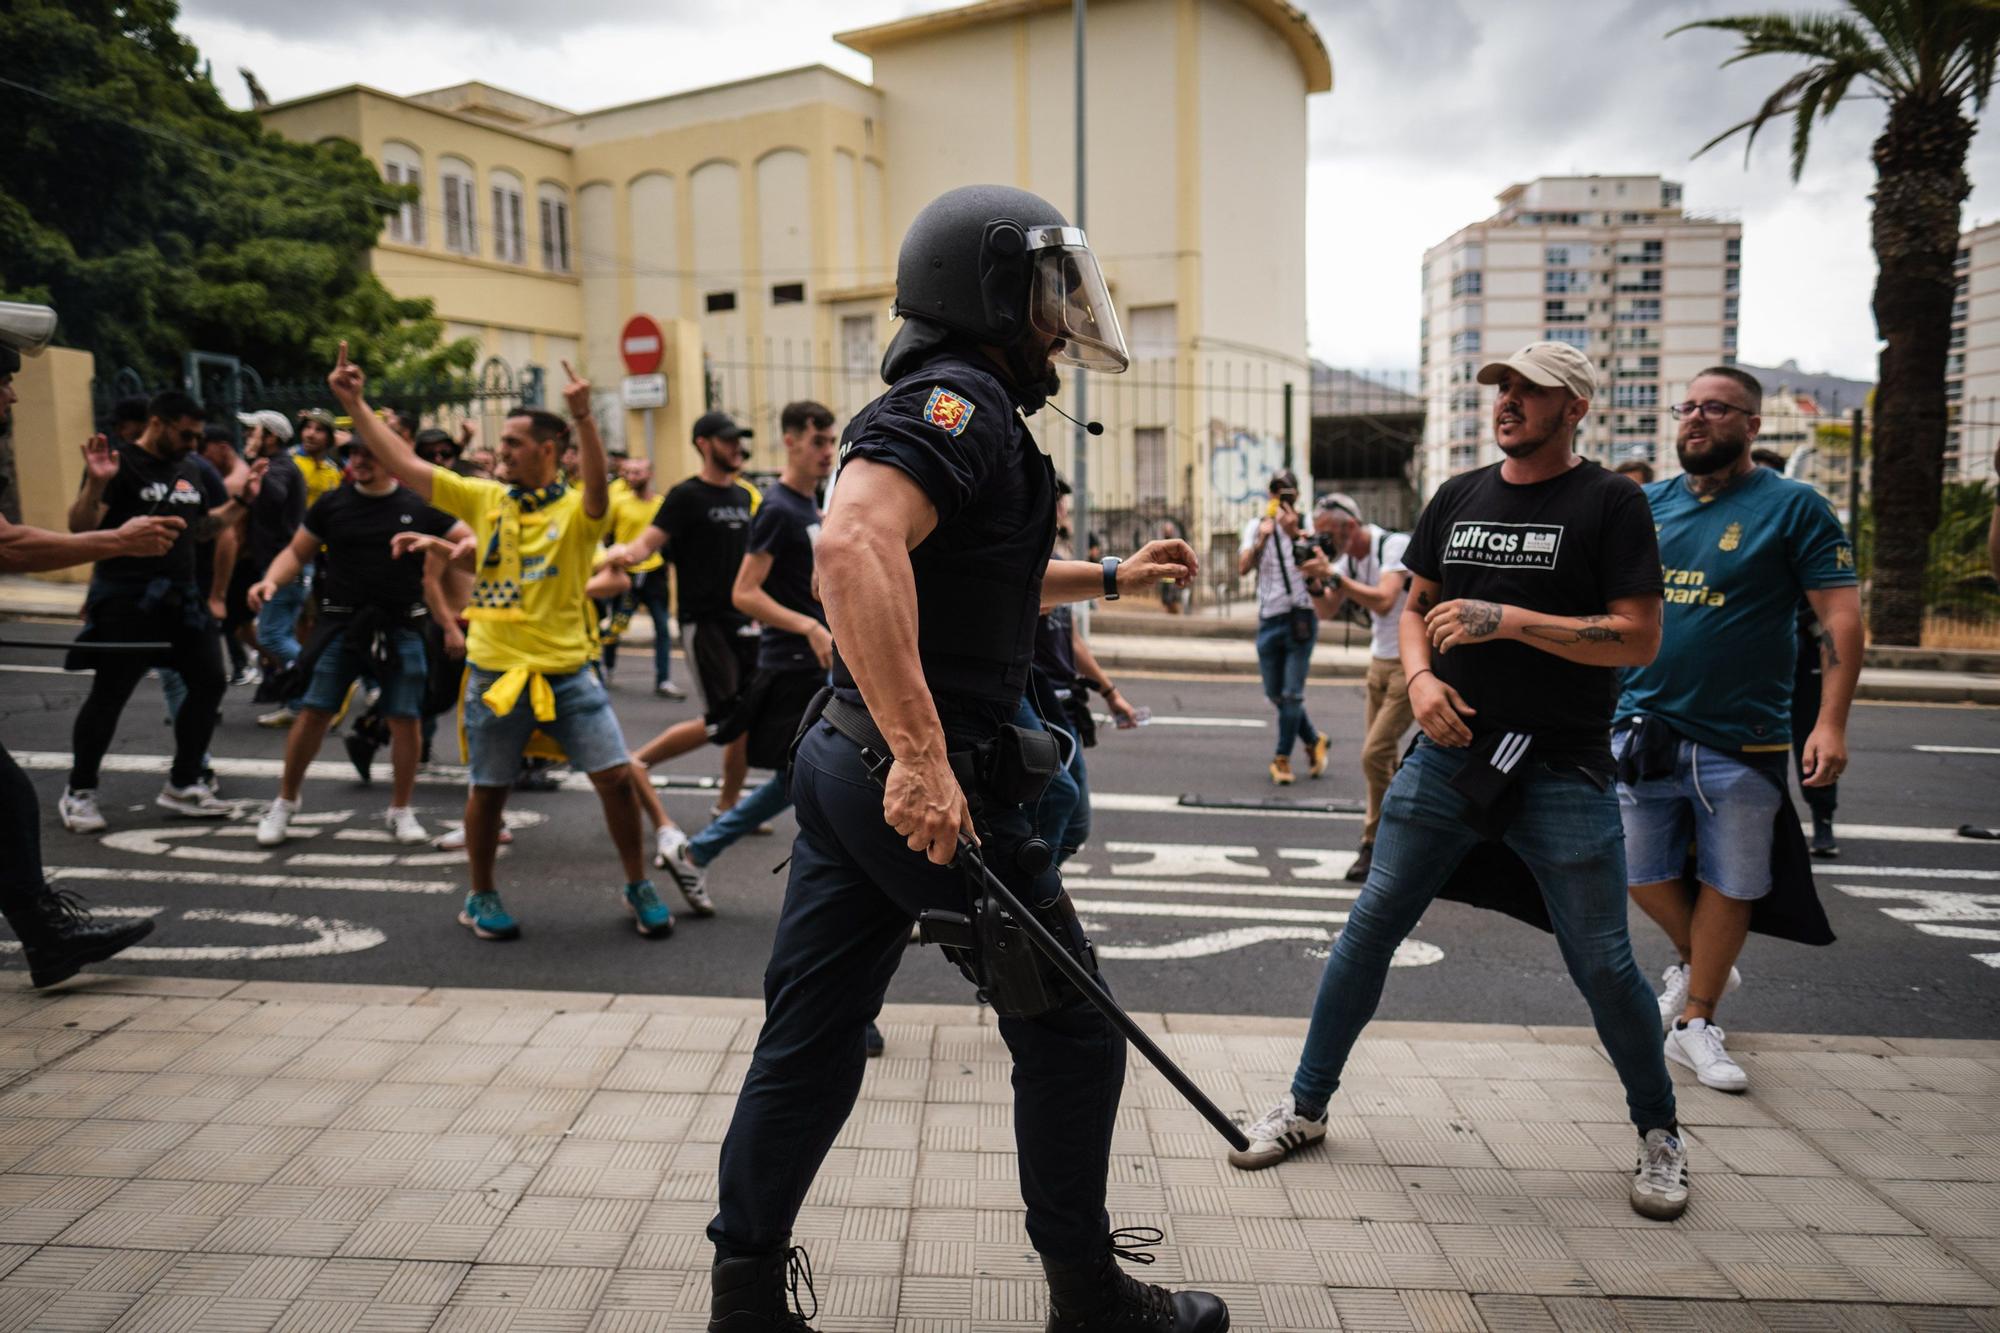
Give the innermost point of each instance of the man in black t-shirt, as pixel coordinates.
(148, 599)
(774, 587)
(1531, 582)
(373, 603)
(703, 525)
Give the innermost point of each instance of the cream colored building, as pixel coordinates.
(1972, 375)
(1612, 265)
(758, 221)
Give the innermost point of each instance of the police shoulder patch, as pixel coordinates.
(947, 411)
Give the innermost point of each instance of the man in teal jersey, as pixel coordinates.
(1703, 733)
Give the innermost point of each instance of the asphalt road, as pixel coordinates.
(1196, 909)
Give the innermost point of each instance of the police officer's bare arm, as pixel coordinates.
(1627, 634)
(393, 454)
(878, 517)
(26, 550)
(1156, 562)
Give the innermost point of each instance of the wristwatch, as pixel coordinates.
(1111, 563)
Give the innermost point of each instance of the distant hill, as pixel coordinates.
(1831, 392)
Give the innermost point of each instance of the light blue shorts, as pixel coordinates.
(1724, 805)
(584, 726)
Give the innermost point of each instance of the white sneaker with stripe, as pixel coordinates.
(1280, 1132)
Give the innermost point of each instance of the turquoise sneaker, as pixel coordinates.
(650, 916)
(488, 919)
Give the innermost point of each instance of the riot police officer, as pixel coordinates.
(934, 563)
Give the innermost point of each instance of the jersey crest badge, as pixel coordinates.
(947, 411)
(1732, 537)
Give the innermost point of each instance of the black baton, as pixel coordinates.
(1079, 976)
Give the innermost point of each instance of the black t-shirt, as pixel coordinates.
(785, 528)
(275, 514)
(1055, 647)
(356, 528)
(214, 494)
(1567, 546)
(706, 529)
(145, 484)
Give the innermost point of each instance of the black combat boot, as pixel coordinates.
(60, 938)
(1097, 1296)
(759, 1293)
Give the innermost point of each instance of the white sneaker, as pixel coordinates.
(1281, 1132)
(453, 839)
(273, 827)
(80, 813)
(1699, 1047)
(403, 825)
(196, 800)
(690, 878)
(1674, 992)
(280, 716)
(666, 689)
(1660, 1181)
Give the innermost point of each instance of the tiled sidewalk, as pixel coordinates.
(211, 1156)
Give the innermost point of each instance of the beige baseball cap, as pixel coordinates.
(1552, 365)
(272, 421)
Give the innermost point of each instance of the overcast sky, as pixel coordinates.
(1437, 105)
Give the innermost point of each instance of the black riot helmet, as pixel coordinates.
(995, 264)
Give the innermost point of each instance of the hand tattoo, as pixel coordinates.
(1478, 619)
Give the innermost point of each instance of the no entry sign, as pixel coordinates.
(641, 344)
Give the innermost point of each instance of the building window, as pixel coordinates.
(1958, 312)
(1578, 338)
(1558, 256)
(1154, 332)
(1955, 364)
(1465, 428)
(1468, 257)
(1641, 252)
(1635, 395)
(1647, 280)
(717, 302)
(510, 244)
(461, 220)
(1467, 284)
(1958, 336)
(1963, 259)
(1639, 312)
(1559, 281)
(404, 165)
(788, 293)
(1463, 456)
(1465, 400)
(553, 205)
(1559, 312)
(1645, 368)
(1466, 343)
(1732, 279)
(1149, 451)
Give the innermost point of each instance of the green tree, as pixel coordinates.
(157, 220)
(1930, 62)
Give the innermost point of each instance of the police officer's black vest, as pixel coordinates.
(979, 575)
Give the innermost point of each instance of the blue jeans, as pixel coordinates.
(1569, 834)
(340, 664)
(1717, 801)
(278, 623)
(1283, 662)
(760, 805)
(650, 591)
(1062, 816)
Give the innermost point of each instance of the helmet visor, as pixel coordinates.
(1069, 302)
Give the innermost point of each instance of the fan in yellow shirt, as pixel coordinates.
(530, 643)
(314, 454)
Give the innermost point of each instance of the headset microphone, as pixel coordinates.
(1093, 427)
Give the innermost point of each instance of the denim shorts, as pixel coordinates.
(584, 726)
(341, 664)
(1726, 806)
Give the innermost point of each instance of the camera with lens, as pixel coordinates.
(1304, 548)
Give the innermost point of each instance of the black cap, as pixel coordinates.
(720, 426)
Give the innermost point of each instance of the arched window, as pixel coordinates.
(554, 218)
(509, 218)
(404, 165)
(461, 226)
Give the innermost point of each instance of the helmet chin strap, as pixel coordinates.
(1035, 383)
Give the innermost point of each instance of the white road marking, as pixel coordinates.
(330, 936)
(152, 842)
(1957, 749)
(1324, 864)
(127, 875)
(1208, 911)
(1100, 884)
(1185, 858)
(1939, 912)
(1906, 872)
(1410, 953)
(41, 670)
(1245, 723)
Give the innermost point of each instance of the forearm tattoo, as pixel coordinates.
(1593, 630)
(1829, 655)
(1424, 602)
(205, 528)
(1478, 619)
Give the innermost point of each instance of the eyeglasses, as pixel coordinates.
(192, 437)
(1713, 410)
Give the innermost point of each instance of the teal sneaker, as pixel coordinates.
(487, 918)
(650, 916)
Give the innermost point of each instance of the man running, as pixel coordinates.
(530, 645)
(148, 599)
(370, 623)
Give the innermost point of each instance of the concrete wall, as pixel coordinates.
(51, 423)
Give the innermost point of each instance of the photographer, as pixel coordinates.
(1369, 572)
(1287, 625)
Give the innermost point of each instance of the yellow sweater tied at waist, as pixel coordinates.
(503, 694)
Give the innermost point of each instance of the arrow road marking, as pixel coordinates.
(127, 875)
(329, 937)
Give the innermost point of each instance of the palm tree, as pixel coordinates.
(1926, 59)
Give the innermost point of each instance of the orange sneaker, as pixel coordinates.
(1281, 771)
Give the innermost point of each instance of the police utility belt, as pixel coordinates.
(985, 941)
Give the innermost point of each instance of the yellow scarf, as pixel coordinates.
(496, 593)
